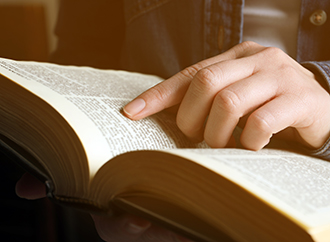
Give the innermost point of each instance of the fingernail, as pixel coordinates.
(134, 107)
(137, 226)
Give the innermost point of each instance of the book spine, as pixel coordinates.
(24, 159)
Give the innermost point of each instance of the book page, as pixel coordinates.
(295, 184)
(91, 101)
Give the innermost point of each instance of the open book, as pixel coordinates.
(65, 125)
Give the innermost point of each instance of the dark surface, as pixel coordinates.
(38, 220)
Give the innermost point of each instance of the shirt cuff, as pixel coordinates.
(322, 70)
(323, 152)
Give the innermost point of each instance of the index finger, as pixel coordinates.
(171, 91)
(164, 95)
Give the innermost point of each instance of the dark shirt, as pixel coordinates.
(90, 33)
(162, 37)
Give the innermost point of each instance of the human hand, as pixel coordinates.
(129, 228)
(125, 228)
(262, 88)
(30, 188)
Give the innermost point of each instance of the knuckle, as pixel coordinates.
(274, 52)
(158, 93)
(291, 70)
(244, 47)
(228, 101)
(276, 58)
(280, 60)
(207, 78)
(248, 44)
(262, 122)
(191, 71)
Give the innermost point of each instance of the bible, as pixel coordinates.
(64, 124)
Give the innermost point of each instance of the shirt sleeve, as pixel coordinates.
(322, 70)
(89, 33)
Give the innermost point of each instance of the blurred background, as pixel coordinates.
(26, 33)
(27, 28)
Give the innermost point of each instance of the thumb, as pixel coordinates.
(30, 187)
(119, 229)
(164, 95)
(127, 228)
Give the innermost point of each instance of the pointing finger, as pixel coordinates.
(171, 91)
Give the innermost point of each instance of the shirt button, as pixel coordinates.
(318, 17)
